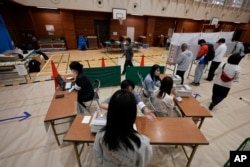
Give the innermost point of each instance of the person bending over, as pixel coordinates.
(129, 86)
(201, 62)
(82, 84)
(118, 143)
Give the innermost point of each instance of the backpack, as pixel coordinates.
(34, 66)
(211, 53)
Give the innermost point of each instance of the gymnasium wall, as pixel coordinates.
(27, 22)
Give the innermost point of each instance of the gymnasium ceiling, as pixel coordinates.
(189, 9)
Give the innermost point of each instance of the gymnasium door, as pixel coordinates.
(102, 30)
(131, 32)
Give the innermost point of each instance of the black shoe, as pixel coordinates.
(196, 84)
(211, 106)
(122, 73)
(208, 79)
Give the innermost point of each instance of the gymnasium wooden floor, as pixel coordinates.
(27, 143)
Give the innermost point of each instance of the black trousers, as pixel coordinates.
(126, 64)
(219, 93)
(214, 65)
(181, 74)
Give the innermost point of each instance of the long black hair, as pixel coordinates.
(120, 119)
(166, 86)
(152, 72)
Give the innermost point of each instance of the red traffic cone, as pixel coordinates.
(103, 62)
(142, 61)
(54, 73)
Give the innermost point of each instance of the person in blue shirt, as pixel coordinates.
(152, 80)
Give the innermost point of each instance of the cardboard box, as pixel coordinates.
(9, 57)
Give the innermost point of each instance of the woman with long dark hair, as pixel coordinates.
(118, 143)
(162, 99)
(152, 79)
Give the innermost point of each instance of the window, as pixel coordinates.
(237, 3)
(218, 2)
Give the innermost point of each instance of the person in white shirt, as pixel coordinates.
(163, 101)
(219, 54)
(221, 86)
(118, 143)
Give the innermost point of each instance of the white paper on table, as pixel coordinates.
(86, 119)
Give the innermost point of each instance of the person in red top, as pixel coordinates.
(201, 62)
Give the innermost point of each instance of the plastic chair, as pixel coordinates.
(96, 86)
(245, 146)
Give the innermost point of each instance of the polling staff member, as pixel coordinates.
(152, 79)
(82, 83)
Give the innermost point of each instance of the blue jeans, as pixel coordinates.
(198, 72)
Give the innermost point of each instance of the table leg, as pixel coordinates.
(77, 154)
(192, 155)
(54, 131)
(202, 120)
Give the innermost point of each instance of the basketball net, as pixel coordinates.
(120, 20)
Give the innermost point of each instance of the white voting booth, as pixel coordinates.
(192, 40)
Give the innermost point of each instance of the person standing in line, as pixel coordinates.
(128, 53)
(152, 79)
(82, 84)
(201, 62)
(221, 86)
(118, 143)
(183, 61)
(239, 48)
(219, 54)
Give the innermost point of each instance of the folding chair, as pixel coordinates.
(245, 146)
(151, 104)
(142, 86)
(96, 86)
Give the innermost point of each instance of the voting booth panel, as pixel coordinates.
(191, 39)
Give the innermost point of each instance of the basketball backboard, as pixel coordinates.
(119, 13)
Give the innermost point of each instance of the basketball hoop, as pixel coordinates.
(120, 20)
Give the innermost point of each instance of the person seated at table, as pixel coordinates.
(82, 84)
(152, 80)
(163, 101)
(129, 86)
(118, 143)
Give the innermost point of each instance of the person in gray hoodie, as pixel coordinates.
(183, 61)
